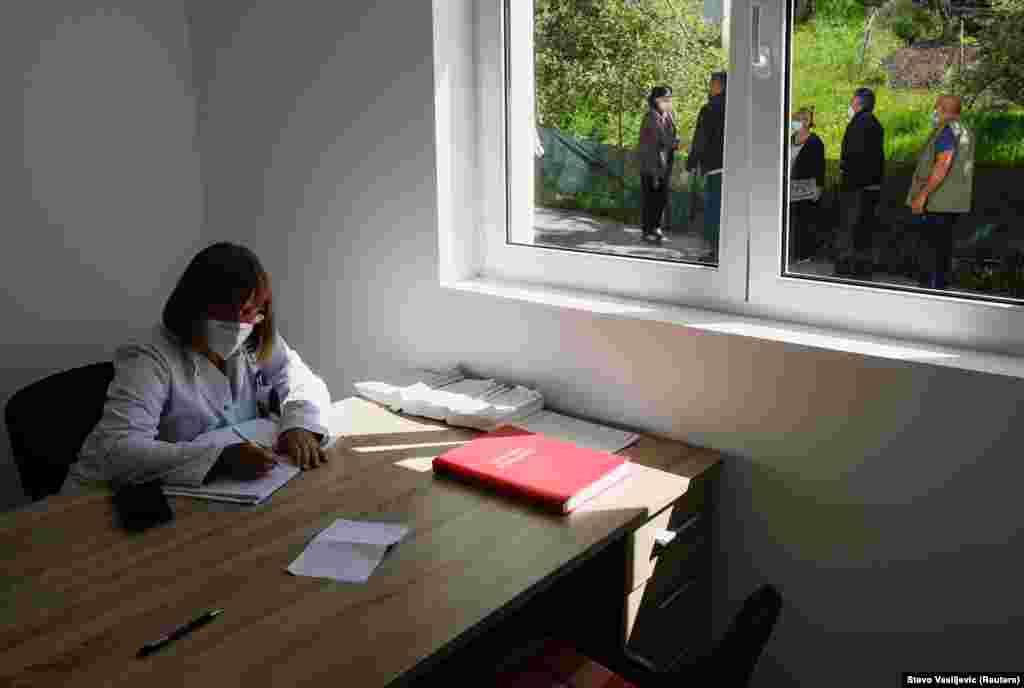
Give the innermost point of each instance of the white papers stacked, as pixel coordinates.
(579, 432)
(390, 393)
(500, 404)
(484, 404)
(347, 551)
(450, 396)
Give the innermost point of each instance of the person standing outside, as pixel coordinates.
(707, 154)
(807, 182)
(862, 166)
(658, 143)
(942, 188)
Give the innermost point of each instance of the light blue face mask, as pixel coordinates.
(795, 126)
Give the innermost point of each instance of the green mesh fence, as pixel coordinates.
(601, 178)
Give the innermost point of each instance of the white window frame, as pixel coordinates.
(905, 313)
(690, 283)
(473, 198)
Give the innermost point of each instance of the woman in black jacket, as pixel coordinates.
(658, 144)
(807, 182)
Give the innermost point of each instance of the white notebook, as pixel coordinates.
(261, 431)
(582, 433)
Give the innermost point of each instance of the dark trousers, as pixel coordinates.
(936, 248)
(653, 202)
(857, 214)
(712, 208)
(803, 229)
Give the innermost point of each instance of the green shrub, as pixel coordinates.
(910, 22)
(1000, 69)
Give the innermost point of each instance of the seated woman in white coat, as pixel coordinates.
(216, 360)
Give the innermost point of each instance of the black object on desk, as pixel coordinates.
(180, 631)
(142, 506)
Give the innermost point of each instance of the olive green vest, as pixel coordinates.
(955, 192)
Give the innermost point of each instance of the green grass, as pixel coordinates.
(826, 72)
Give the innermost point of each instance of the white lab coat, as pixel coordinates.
(164, 395)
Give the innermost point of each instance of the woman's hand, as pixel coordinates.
(302, 447)
(244, 461)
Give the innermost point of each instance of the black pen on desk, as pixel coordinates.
(180, 631)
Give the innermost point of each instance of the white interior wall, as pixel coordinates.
(101, 186)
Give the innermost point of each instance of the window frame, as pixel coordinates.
(909, 313)
(474, 205)
(505, 134)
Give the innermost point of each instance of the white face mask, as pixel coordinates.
(935, 119)
(795, 126)
(225, 337)
(850, 112)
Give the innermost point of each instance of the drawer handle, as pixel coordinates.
(674, 596)
(665, 537)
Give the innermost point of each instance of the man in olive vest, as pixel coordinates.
(942, 189)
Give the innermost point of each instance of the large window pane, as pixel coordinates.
(615, 171)
(937, 118)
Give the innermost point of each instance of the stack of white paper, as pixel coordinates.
(390, 392)
(505, 404)
(347, 551)
(449, 396)
(580, 432)
(484, 404)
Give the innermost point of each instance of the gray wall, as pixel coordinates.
(881, 496)
(100, 178)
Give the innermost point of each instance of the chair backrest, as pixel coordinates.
(48, 421)
(733, 661)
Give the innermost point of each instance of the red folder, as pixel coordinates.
(558, 474)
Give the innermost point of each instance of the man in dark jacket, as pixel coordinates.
(707, 153)
(862, 164)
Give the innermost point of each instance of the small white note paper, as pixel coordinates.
(348, 551)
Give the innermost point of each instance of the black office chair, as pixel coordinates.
(730, 664)
(732, 661)
(48, 421)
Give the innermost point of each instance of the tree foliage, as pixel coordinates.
(602, 57)
(1000, 69)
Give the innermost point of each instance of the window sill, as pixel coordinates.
(747, 325)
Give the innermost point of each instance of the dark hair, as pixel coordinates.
(720, 77)
(867, 99)
(223, 273)
(659, 92)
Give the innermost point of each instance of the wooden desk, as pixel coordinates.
(78, 597)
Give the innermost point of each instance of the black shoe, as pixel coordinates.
(844, 267)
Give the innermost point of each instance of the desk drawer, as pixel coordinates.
(645, 555)
(661, 632)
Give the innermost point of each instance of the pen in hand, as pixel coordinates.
(258, 444)
(178, 632)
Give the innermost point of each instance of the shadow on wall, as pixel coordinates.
(902, 581)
